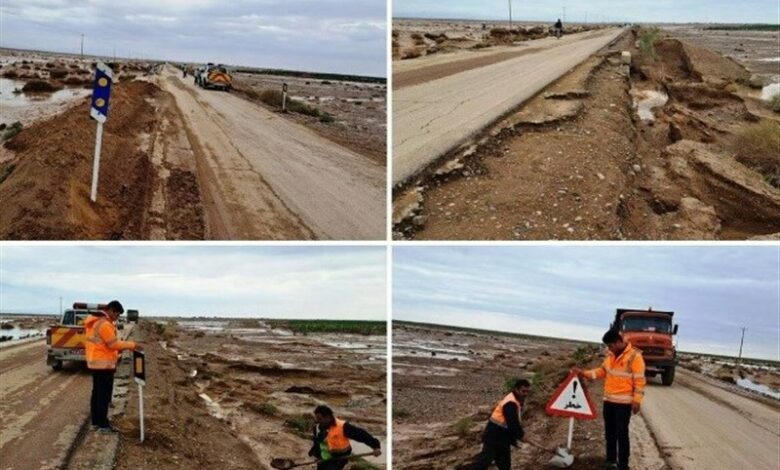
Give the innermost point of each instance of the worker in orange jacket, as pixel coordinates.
(102, 347)
(330, 443)
(503, 430)
(623, 371)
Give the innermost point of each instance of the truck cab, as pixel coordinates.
(652, 332)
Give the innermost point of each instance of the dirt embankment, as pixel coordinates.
(651, 151)
(46, 182)
(237, 395)
(445, 383)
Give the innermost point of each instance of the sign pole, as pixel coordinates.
(568, 441)
(141, 410)
(96, 164)
(284, 97)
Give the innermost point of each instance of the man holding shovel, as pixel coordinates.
(623, 372)
(503, 430)
(331, 440)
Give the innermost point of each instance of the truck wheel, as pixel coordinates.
(668, 377)
(57, 365)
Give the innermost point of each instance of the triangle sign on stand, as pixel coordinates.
(571, 399)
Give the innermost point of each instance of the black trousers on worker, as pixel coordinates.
(332, 465)
(616, 419)
(102, 389)
(498, 452)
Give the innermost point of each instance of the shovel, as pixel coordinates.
(561, 457)
(286, 464)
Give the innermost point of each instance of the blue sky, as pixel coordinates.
(341, 36)
(572, 292)
(273, 282)
(678, 11)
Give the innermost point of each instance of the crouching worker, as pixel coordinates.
(331, 440)
(102, 349)
(503, 430)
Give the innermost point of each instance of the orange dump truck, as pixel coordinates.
(651, 331)
(65, 341)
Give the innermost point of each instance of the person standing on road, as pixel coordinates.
(102, 349)
(623, 371)
(558, 28)
(331, 439)
(503, 430)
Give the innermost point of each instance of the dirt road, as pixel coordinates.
(699, 425)
(37, 430)
(433, 118)
(267, 178)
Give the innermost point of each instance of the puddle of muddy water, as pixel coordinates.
(11, 95)
(16, 333)
(758, 388)
(647, 100)
(769, 91)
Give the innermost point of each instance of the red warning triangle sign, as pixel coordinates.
(571, 399)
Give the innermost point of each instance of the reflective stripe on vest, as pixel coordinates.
(497, 417)
(98, 354)
(619, 374)
(337, 441)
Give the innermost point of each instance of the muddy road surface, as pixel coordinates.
(699, 424)
(433, 118)
(266, 177)
(38, 429)
(255, 386)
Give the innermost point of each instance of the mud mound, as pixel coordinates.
(187, 217)
(47, 195)
(39, 86)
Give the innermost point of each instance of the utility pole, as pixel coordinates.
(82, 46)
(60, 305)
(510, 15)
(564, 14)
(741, 342)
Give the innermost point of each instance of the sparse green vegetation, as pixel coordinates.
(274, 98)
(400, 413)
(774, 103)
(332, 326)
(39, 86)
(11, 131)
(300, 425)
(745, 27)
(756, 146)
(411, 54)
(6, 171)
(327, 118)
(463, 426)
(264, 408)
(647, 40)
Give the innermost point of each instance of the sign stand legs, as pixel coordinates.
(141, 409)
(96, 163)
(571, 431)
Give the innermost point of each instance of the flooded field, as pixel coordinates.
(16, 327)
(261, 381)
(353, 113)
(759, 377)
(30, 107)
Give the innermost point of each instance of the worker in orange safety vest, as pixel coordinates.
(331, 440)
(502, 430)
(102, 347)
(623, 371)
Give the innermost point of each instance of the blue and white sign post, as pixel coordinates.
(101, 92)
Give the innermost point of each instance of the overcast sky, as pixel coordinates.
(273, 282)
(572, 292)
(341, 36)
(679, 11)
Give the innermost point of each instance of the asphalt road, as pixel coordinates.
(700, 425)
(436, 116)
(269, 178)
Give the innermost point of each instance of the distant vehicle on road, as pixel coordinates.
(214, 76)
(652, 332)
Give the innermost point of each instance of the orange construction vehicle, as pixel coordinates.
(214, 76)
(652, 332)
